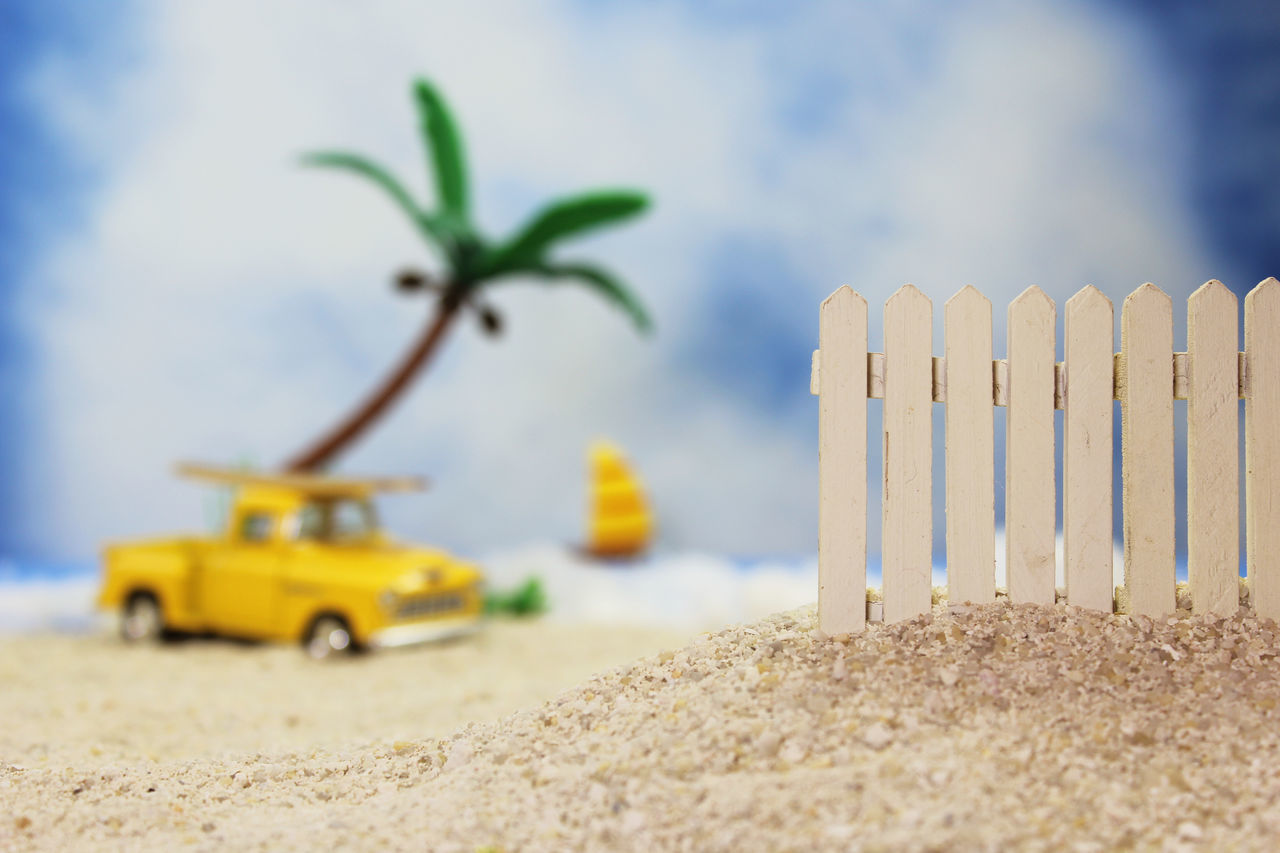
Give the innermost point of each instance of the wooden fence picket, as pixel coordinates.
(1030, 486)
(1213, 460)
(1146, 342)
(842, 453)
(1089, 382)
(907, 535)
(1262, 446)
(970, 449)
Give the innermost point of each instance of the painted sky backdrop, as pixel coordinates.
(173, 285)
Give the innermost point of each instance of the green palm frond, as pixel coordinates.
(430, 226)
(563, 218)
(604, 283)
(473, 263)
(444, 145)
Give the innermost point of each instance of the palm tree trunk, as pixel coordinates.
(320, 453)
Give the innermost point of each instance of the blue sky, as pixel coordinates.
(43, 188)
(173, 286)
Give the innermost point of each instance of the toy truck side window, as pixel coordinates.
(310, 523)
(256, 527)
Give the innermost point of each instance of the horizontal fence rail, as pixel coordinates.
(1145, 376)
(1000, 377)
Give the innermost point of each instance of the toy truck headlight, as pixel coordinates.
(388, 599)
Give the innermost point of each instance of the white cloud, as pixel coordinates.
(221, 301)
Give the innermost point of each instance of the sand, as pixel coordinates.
(90, 701)
(1000, 727)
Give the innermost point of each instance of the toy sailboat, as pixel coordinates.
(619, 523)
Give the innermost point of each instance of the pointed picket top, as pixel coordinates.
(843, 294)
(968, 296)
(1033, 296)
(907, 293)
(1212, 290)
(1088, 295)
(1210, 298)
(1148, 294)
(1267, 291)
(1034, 305)
(1090, 305)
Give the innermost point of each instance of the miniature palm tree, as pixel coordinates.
(472, 263)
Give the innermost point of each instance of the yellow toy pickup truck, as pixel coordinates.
(302, 559)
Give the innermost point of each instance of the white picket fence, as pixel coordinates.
(1146, 376)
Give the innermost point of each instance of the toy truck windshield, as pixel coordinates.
(337, 521)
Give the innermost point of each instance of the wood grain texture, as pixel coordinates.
(1030, 485)
(1262, 446)
(907, 536)
(1146, 341)
(1087, 435)
(970, 451)
(842, 464)
(1213, 450)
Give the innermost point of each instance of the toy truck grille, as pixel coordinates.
(429, 605)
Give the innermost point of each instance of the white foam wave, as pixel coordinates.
(691, 590)
(64, 604)
(694, 590)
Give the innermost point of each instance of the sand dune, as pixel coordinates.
(989, 728)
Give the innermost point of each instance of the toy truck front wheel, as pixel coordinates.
(328, 636)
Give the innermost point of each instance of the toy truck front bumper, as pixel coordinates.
(431, 631)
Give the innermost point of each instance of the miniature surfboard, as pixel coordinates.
(619, 522)
(316, 484)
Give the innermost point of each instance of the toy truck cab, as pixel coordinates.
(302, 558)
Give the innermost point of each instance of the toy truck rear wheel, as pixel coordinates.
(142, 620)
(328, 636)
